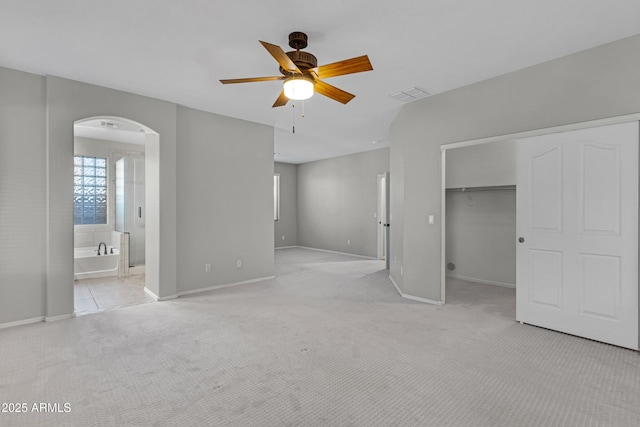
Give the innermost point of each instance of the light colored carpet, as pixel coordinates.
(327, 343)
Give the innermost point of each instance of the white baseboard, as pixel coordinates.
(395, 284)
(22, 322)
(156, 297)
(411, 297)
(285, 247)
(150, 293)
(226, 285)
(484, 282)
(61, 317)
(336, 252)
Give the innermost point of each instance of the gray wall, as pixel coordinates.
(22, 196)
(481, 235)
(485, 165)
(36, 167)
(225, 202)
(287, 226)
(597, 83)
(336, 202)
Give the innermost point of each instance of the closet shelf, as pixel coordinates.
(491, 188)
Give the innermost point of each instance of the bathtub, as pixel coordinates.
(87, 264)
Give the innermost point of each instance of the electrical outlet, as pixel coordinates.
(207, 268)
(432, 219)
(283, 237)
(348, 242)
(239, 263)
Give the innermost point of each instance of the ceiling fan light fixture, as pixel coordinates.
(298, 88)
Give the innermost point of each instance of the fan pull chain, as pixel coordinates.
(302, 109)
(293, 117)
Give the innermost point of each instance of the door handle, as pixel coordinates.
(521, 239)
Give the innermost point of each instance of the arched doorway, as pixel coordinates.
(115, 213)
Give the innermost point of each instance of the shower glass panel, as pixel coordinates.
(130, 205)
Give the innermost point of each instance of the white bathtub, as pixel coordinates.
(87, 264)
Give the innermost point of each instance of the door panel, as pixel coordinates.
(600, 189)
(546, 197)
(600, 286)
(546, 277)
(577, 210)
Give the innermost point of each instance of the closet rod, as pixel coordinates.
(492, 188)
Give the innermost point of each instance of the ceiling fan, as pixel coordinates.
(302, 75)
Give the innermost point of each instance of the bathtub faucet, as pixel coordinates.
(105, 247)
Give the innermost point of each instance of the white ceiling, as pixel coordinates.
(178, 50)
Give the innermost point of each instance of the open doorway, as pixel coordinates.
(109, 213)
(480, 226)
(382, 214)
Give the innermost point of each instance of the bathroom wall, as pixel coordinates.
(337, 199)
(285, 229)
(91, 235)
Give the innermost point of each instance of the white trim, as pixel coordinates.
(484, 282)
(150, 293)
(544, 131)
(427, 301)
(285, 247)
(443, 225)
(227, 285)
(396, 285)
(156, 297)
(517, 135)
(411, 297)
(339, 253)
(61, 317)
(22, 322)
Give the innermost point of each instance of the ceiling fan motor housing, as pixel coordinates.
(298, 40)
(303, 60)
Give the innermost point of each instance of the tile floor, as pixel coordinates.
(93, 295)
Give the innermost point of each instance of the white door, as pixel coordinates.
(381, 216)
(577, 227)
(387, 217)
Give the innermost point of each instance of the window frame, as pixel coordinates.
(106, 187)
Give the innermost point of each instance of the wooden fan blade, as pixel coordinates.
(340, 68)
(251, 79)
(285, 62)
(282, 100)
(333, 92)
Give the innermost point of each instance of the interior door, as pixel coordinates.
(381, 216)
(387, 217)
(577, 225)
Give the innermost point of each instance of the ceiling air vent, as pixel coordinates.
(109, 125)
(410, 94)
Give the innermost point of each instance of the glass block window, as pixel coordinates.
(89, 190)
